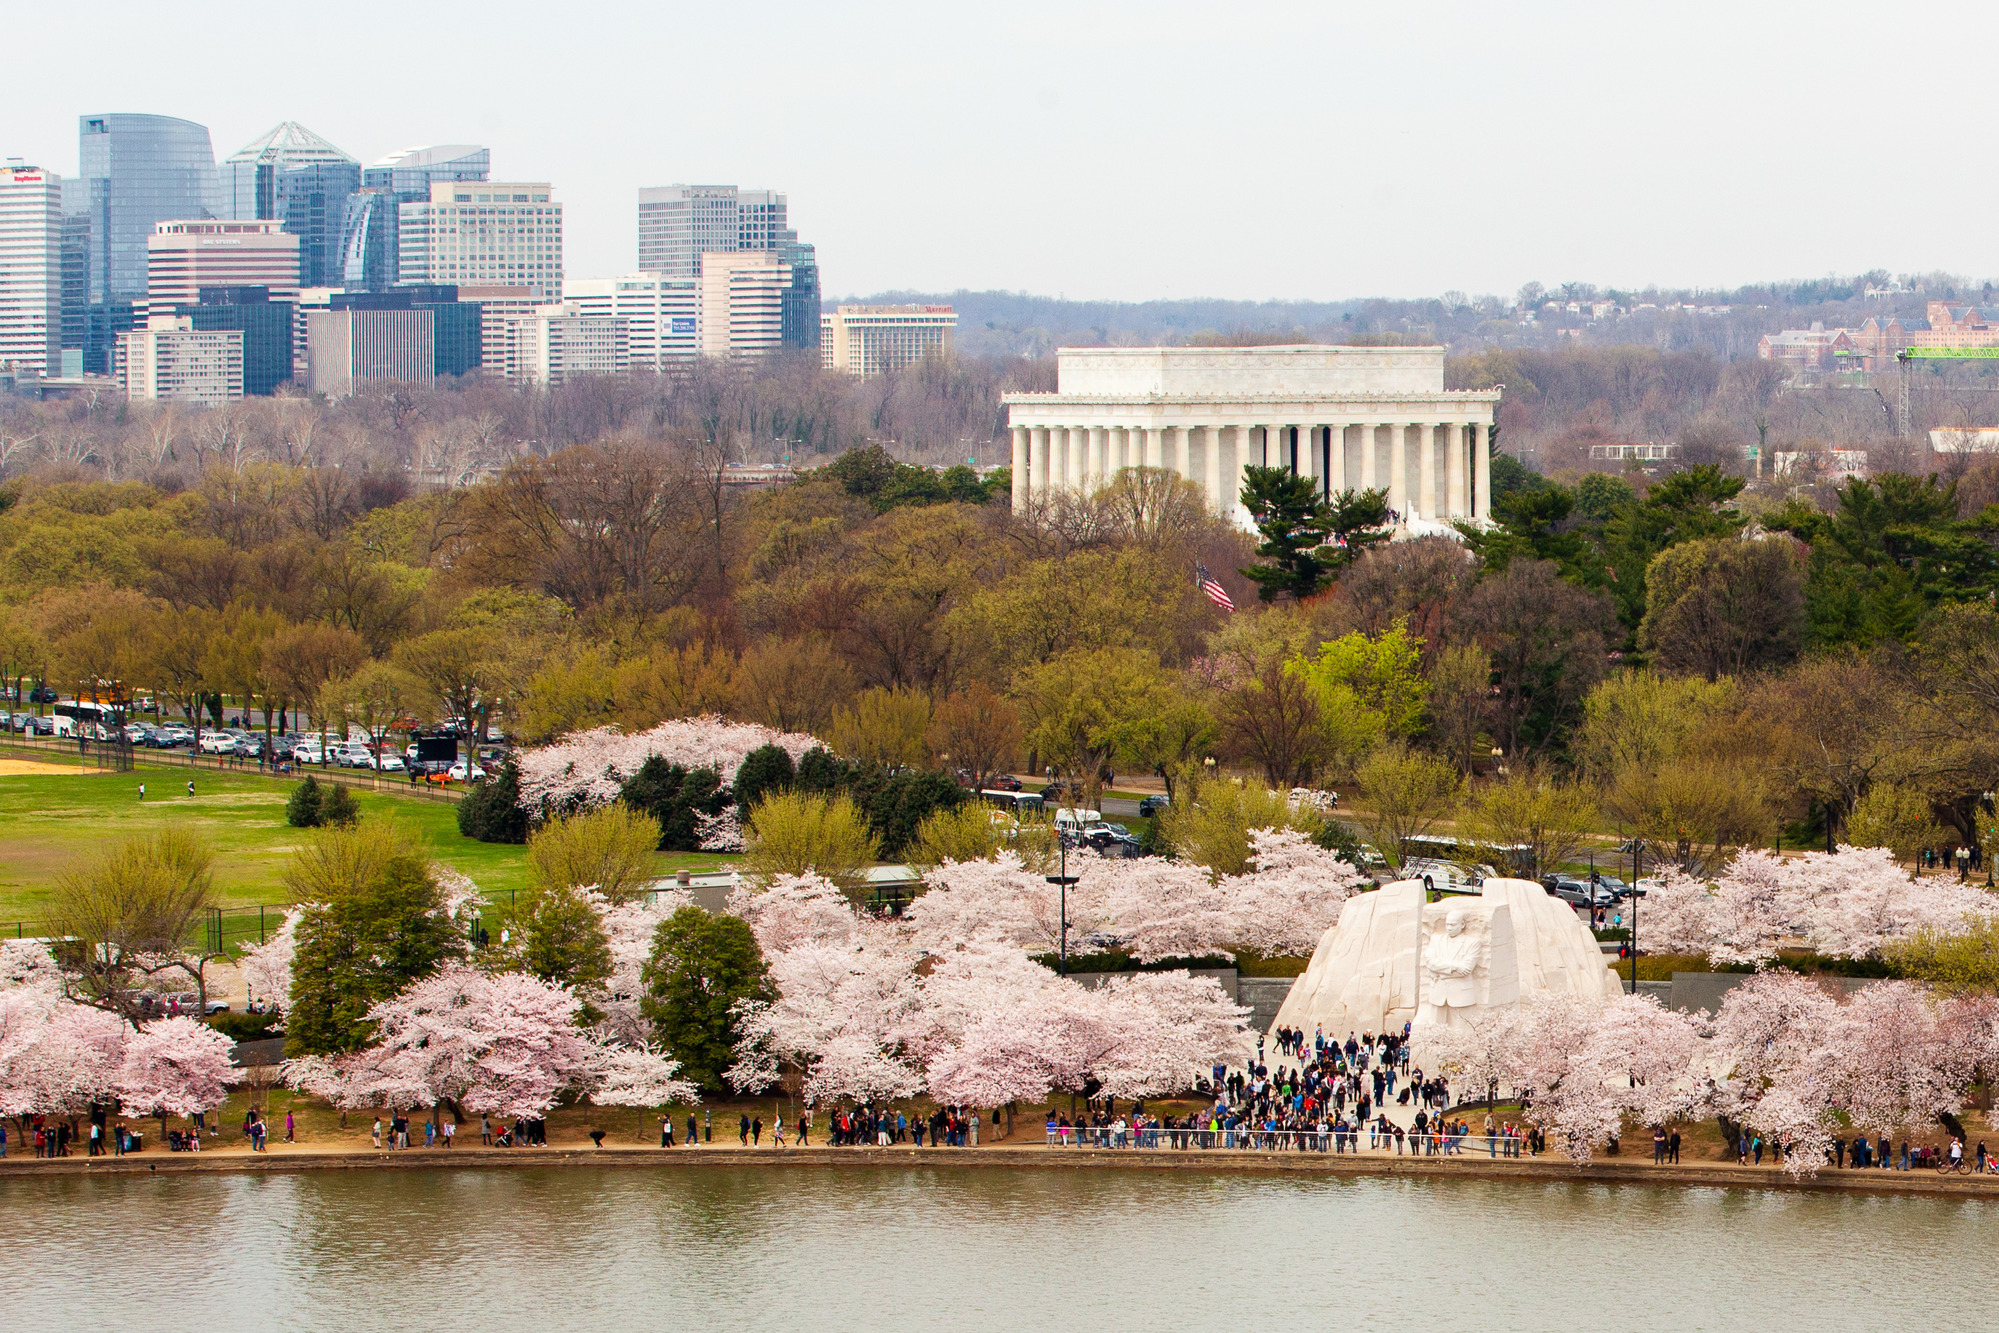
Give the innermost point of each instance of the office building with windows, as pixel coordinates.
(348, 348)
(456, 335)
(31, 277)
(679, 224)
(869, 340)
(560, 342)
(137, 171)
(169, 360)
(661, 314)
(184, 256)
(266, 326)
(371, 233)
(484, 232)
(742, 298)
(291, 174)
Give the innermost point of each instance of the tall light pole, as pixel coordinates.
(1063, 881)
(1637, 851)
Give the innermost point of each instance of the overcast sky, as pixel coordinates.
(1236, 149)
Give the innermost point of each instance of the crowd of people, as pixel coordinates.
(1332, 1101)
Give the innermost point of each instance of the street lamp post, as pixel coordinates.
(1063, 881)
(1637, 852)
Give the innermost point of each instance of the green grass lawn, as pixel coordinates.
(47, 821)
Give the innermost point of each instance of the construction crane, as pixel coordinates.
(1898, 415)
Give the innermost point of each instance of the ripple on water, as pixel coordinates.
(920, 1248)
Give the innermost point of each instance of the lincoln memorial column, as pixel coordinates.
(1183, 451)
(1454, 470)
(1398, 470)
(1426, 471)
(1019, 434)
(1336, 459)
(1212, 475)
(1245, 459)
(1482, 465)
(1079, 446)
(1365, 434)
(1308, 455)
(1037, 462)
(1093, 466)
(1155, 447)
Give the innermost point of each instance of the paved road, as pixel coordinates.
(1117, 805)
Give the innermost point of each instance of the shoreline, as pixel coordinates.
(1543, 1170)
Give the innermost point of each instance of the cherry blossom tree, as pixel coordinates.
(174, 1066)
(57, 1058)
(628, 929)
(28, 963)
(267, 967)
(588, 767)
(1001, 899)
(503, 1044)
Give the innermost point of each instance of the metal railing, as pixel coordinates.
(98, 756)
(1244, 1138)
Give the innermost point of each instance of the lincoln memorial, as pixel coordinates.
(1350, 418)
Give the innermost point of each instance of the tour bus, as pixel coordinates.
(1015, 803)
(95, 720)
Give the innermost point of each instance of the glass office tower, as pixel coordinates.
(136, 170)
(291, 174)
(370, 233)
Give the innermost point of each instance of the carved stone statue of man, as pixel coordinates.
(1450, 968)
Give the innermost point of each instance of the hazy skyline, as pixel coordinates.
(1125, 153)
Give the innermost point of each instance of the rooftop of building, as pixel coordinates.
(288, 141)
(428, 155)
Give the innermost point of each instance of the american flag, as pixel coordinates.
(1216, 592)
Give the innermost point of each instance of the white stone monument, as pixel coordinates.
(1371, 972)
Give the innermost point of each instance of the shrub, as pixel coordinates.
(248, 1027)
(793, 832)
(302, 807)
(674, 795)
(336, 806)
(763, 771)
(896, 806)
(491, 811)
(611, 849)
(702, 968)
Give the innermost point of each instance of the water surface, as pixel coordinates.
(718, 1248)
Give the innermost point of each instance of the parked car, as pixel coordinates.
(1578, 892)
(389, 763)
(1152, 805)
(217, 742)
(1004, 782)
(463, 772)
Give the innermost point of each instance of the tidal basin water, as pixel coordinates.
(581, 1249)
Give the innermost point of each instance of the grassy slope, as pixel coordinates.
(45, 821)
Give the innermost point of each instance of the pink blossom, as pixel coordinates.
(176, 1066)
(590, 766)
(56, 1058)
(267, 967)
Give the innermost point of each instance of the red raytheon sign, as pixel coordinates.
(25, 177)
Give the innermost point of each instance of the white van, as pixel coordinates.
(1071, 819)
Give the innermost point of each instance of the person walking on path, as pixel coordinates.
(743, 1132)
(190, 786)
(291, 1128)
(757, 1132)
(692, 1137)
(666, 1131)
(485, 1132)
(1658, 1145)
(376, 1133)
(142, 791)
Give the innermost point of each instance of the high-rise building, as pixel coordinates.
(484, 232)
(410, 172)
(561, 342)
(661, 314)
(742, 303)
(170, 360)
(497, 307)
(31, 234)
(371, 231)
(678, 224)
(140, 171)
(347, 348)
(182, 257)
(292, 174)
(456, 337)
(869, 340)
(266, 326)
